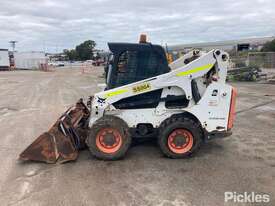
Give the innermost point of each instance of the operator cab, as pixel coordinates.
(130, 63)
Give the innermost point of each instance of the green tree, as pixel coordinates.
(82, 52)
(71, 54)
(85, 50)
(269, 46)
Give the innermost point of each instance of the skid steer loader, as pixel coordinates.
(182, 104)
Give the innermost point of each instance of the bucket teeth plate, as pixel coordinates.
(42, 149)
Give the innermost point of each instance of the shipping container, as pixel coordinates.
(30, 60)
(4, 59)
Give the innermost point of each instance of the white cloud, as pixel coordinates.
(212, 18)
(63, 24)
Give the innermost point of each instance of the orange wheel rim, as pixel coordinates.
(180, 141)
(108, 140)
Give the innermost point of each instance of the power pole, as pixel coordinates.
(13, 44)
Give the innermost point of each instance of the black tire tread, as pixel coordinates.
(109, 121)
(195, 126)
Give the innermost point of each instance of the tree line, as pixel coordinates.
(82, 52)
(269, 46)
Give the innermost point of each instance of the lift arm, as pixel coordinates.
(186, 59)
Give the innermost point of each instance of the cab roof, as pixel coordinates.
(116, 47)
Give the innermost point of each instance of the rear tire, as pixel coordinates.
(109, 138)
(179, 137)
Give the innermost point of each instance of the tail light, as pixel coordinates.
(232, 111)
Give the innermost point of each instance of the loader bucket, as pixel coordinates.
(62, 142)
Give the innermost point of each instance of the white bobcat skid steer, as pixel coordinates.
(144, 98)
(194, 104)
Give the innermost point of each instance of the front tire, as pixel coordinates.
(109, 138)
(179, 137)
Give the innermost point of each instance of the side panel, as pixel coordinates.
(213, 108)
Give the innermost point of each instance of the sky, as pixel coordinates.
(54, 25)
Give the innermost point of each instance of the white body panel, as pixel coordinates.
(4, 59)
(211, 110)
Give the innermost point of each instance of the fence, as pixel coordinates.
(262, 59)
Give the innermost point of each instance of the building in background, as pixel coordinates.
(57, 57)
(249, 44)
(30, 60)
(4, 59)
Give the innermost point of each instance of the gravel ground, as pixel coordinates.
(30, 101)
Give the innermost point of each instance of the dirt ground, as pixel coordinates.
(30, 101)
